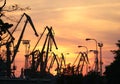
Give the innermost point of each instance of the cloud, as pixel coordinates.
(107, 11)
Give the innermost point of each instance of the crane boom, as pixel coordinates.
(38, 40)
(31, 23)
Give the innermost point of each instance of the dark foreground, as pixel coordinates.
(74, 79)
(27, 81)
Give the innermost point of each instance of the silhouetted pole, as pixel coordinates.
(96, 60)
(100, 45)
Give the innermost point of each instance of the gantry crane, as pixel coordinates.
(49, 39)
(62, 64)
(28, 19)
(40, 58)
(54, 58)
(62, 61)
(10, 57)
(83, 58)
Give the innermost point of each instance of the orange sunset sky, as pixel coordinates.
(73, 21)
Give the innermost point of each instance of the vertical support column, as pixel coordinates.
(8, 63)
(101, 63)
(27, 46)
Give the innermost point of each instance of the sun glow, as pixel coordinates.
(72, 16)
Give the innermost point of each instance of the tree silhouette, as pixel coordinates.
(112, 71)
(12, 8)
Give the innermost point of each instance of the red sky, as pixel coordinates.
(73, 21)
